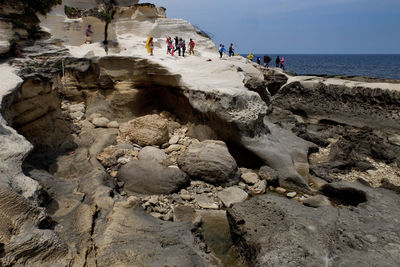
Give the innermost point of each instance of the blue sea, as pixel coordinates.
(375, 66)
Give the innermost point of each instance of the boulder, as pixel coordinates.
(149, 177)
(270, 175)
(150, 153)
(206, 202)
(149, 130)
(250, 177)
(113, 124)
(100, 122)
(232, 195)
(259, 188)
(209, 161)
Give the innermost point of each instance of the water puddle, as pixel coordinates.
(216, 233)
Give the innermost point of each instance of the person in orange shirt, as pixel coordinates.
(191, 47)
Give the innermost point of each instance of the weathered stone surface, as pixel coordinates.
(317, 201)
(270, 175)
(259, 188)
(250, 177)
(147, 241)
(209, 161)
(232, 195)
(150, 153)
(149, 130)
(361, 236)
(206, 202)
(394, 139)
(113, 124)
(184, 214)
(6, 34)
(149, 177)
(100, 122)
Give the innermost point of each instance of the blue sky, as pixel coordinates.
(296, 26)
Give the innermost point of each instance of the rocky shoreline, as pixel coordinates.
(130, 160)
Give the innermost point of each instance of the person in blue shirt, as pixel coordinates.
(221, 50)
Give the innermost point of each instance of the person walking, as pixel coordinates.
(183, 48)
(277, 61)
(176, 41)
(191, 47)
(150, 45)
(88, 33)
(231, 50)
(266, 60)
(178, 46)
(168, 46)
(283, 63)
(221, 50)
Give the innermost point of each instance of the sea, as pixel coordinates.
(374, 66)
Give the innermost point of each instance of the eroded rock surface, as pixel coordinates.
(150, 177)
(209, 161)
(275, 231)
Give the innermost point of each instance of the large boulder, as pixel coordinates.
(150, 177)
(271, 230)
(149, 130)
(209, 161)
(152, 153)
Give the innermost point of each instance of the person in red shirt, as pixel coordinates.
(191, 47)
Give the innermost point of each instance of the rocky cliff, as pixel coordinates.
(112, 157)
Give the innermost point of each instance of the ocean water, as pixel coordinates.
(376, 66)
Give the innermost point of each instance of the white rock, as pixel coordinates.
(250, 177)
(394, 139)
(77, 107)
(123, 160)
(77, 115)
(174, 139)
(291, 194)
(113, 124)
(173, 148)
(93, 116)
(259, 188)
(173, 166)
(100, 122)
(232, 195)
(280, 190)
(205, 202)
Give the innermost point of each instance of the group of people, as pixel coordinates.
(222, 50)
(279, 62)
(173, 45)
(180, 46)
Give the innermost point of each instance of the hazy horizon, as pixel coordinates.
(296, 27)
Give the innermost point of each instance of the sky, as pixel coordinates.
(295, 26)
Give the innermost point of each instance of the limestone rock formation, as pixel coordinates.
(209, 161)
(149, 177)
(77, 189)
